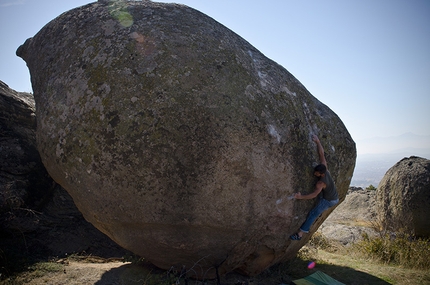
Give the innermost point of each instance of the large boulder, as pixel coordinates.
(403, 197)
(177, 138)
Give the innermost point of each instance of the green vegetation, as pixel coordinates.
(34, 271)
(41, 268)
(396, 249)
(371, 187)
(393, 258)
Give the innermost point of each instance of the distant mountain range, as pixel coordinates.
(377, 155)
(406, 142)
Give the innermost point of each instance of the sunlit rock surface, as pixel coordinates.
(403, 197)
(177, 138)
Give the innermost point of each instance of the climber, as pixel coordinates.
(325, 185)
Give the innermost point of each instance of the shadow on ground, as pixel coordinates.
(297, 269)
(134, 274)
(57, 230)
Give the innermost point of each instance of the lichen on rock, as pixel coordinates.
(177, 138)
(403, 197)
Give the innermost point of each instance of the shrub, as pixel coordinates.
(318, 240)
(399, 249)
(371, 187)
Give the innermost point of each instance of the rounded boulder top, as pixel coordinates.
(403, 197)
(177, 138)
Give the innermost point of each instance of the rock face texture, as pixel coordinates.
(37, 216)
(403, 197)
(178, 139)
(23, 178)
(353, 218)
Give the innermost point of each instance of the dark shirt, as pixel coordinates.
(329, 192)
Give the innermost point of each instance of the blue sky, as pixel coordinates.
(368, 60)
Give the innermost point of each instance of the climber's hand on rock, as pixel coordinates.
(297, 195)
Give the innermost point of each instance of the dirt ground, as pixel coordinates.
(57, 246)
(75, 272)
(116, 273)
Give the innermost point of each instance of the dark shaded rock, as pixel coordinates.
(23, 178)
(38, 219)
(403, 197)
(178, 139)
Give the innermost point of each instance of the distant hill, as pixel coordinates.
(382, 153)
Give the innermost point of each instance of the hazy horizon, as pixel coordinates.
(404, 142)
(383, 153)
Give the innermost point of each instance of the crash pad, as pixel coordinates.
(317, 278)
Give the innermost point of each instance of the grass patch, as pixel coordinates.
(34, 271)
(396, 249)
(42, 268)
(337, 265)
(383, 259)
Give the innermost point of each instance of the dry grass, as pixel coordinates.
(395, 259)
(396, 249)
(351, 265)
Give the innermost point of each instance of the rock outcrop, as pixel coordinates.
(178, 139)
(23, 178)
(403, 197)
(353, 218)
(37, 217)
